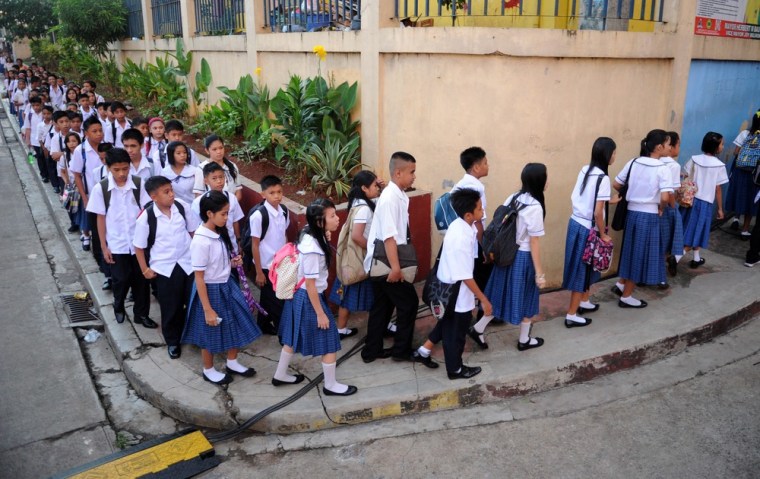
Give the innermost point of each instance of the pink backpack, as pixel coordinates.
(284, 272)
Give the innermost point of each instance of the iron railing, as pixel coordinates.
(167, 18)
(312, 15)
(219, 17)
(590, 14)
(135, 28)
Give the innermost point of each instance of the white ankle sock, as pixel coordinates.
(630, 300)
(575, 318)
(587, 305)
(344, 331)
(213, 374)
(696, 255)
(424, 352)
(331, 384)
(236, 366)
(480, 326)
(620, 286)
(282, 368)
(524, 332)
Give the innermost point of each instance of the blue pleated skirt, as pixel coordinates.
(697, 224)
(238, 329)
(512, 290)
(576, 271)
(641, 259)
(671, 231)
(81, 217)
(740, 197)
(354, 297)
(298, 327)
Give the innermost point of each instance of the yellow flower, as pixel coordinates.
(320, 51)
(257, 71)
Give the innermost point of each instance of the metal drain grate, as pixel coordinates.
(79, 310)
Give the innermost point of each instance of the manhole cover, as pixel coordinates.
(79, 310)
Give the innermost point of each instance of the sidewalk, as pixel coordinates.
(701, 305)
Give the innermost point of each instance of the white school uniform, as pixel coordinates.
(741, 138)
(208, 254)
(22, 97)
(122, 213)
(235, 215)
(84, 161)
(231, 185)
(108, 136)
(64, 164)
(193, 160)
(648, 179)
(469, 181)
(56, 95)
(87, 114)
(276, 232)
(154, 147)
(312, 263)
(48, 136)
(583, 203)
(172, 243)
(106, 126)
(32, 122)
(456, 264)
(530, 220)
(674, 169)
(57, 144)
(40, 133)
(709, 172)
(363, 215)
(182, 183)
(391, 220)
(145, 169)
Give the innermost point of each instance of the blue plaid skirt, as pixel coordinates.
(697, 224)
(641, 260)
(512, 290)
(298, 327)
(576, 271)
(237, 329)
(354, 297)
(671, 231)
(740, 197)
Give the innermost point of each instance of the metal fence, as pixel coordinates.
(312, 15)
(592, 14)
(135, 28)
(219, 17)
(167, 17)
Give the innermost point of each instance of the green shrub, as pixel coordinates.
(330, 167)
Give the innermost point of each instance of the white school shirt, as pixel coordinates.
(741, 138)
(391, 220)
(87, 114)
(469, 181)
(121, 215)
(674, 169)
(21, 96)
(57, 144)
(648, 179)
(49, 134)
(41, 132)
(106, 126)
(230, 185)
(153, 148)
(530, 220)
(209, 254)
(145, 169)
(583, 203)
(99, 98)
(363, 215)
(100, 172)
(276, 236)
(709, 172)
(85, 163)
(312, 263)
(108, 136)
(182, 183)
(56, 95)
(32, 124)
(235, 215)
(457, 264)
(172, 244)
(64, 164)
(193, 160)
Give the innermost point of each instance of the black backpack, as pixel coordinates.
(246, 243)
(136, 180)
(500, 237)
(153, 225)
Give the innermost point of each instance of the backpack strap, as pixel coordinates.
(136, 180)
(153, 221)
(593, 208)
(84, 174)
(113, 131)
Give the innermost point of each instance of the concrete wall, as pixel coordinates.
(523, 94)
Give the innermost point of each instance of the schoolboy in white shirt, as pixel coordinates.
(84, 107)
(41, 134)
(169, 261)
(117, 201)
(174, 131)
(140, 166)
(390, 225)
(33, 119)
(118, 126)
(213, 175)
(56, 146)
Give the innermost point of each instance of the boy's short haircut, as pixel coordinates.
(211, 167)
(270, 181)
(117, 105)
(35, 79)
(140, 120)
(74, 115)
(398, 158)
(71, 103)
(21, 80)
(173, 125)
(132, 134)
(52, 75)
(104, 147)
(470, 156)
(92, 120)
(60, 114)
(83, 95)
(35, 100)
(92, 84)
(117, 155)
(464, 201)
(48, 108)
(155, 182)
(103, 104)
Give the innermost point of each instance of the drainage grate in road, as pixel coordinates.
(79, 310)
